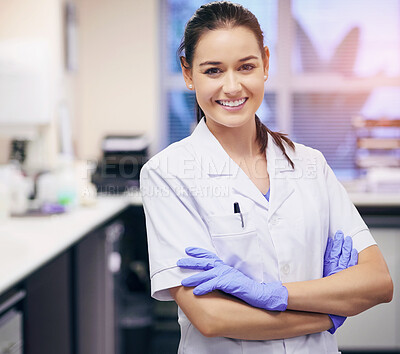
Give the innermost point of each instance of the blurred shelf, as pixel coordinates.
(359, 122)
(378, 143)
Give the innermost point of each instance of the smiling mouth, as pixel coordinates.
(232, 103)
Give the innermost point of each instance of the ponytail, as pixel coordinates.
(199, 112)
(279, 138)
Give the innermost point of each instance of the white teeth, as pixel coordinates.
(233, 103)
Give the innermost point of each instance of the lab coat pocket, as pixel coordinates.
(237, 245)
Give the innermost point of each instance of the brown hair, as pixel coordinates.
(222, 14)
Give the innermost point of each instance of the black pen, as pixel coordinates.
(236, 209)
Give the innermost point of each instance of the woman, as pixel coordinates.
(244, 200)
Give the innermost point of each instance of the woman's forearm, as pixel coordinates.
(219, 315)
(348, 292)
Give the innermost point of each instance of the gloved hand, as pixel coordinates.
(339, 255)
(218, 275)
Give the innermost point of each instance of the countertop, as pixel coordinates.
(375, 199)
(27, 243)
(30, 242)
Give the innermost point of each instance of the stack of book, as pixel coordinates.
(378, 142)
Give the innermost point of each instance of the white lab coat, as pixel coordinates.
(188, 192)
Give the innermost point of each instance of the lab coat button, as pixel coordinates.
(285, 269)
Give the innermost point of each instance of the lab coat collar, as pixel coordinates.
(216, 163)
(281, 175)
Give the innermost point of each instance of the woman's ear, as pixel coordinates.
(266, 61)
(187, 73)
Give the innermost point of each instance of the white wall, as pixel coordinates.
(118, 70)
(41, 20)
(115, 90)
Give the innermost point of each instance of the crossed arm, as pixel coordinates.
(219, 315)
(345, 293)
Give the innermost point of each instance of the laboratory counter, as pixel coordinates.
(27, 243)
(57, 271)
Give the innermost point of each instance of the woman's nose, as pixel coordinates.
(231, 84)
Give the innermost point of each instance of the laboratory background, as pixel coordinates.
(91, 89)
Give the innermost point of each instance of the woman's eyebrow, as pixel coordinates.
(219, 63)
(210, 63)
(248, 58)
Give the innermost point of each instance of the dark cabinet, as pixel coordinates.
(48, 309)
(94, 298)
(70, 303)
(96, 258)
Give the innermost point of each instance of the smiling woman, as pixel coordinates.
(267, 276)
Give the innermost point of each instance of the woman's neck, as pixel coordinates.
(239, 142)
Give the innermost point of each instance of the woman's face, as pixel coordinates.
(228, 75)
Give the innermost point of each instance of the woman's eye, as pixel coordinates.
(213, 71)
(247, 67)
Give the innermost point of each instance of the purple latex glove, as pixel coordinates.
(339, 255)
(219, 276)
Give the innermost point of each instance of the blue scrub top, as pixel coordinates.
(267, 195)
